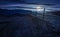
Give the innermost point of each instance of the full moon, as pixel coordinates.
(39, 9)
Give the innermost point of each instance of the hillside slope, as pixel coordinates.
(25, 26)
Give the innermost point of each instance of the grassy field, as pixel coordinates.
(25, 26)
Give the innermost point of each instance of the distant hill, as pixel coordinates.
(55, 13)
(11, 12)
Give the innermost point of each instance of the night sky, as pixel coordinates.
(40, 2)
(45, 1)
(36, 1)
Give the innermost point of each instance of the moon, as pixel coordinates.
(38, 9)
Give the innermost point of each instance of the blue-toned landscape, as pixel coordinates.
(27, 19)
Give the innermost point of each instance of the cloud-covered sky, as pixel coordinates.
(55, 7)
(36, 1)
(44, 1)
